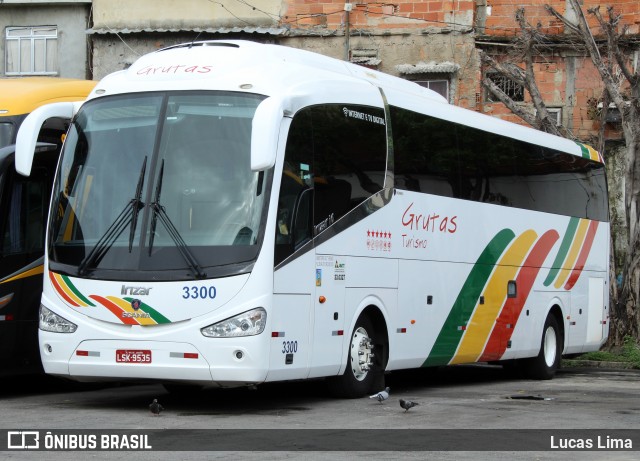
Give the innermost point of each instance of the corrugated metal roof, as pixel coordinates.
(366, 61)
(428, 68)
(365, 57)
(210, 30)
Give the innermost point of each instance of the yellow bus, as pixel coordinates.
(20, 96)
(23, 206)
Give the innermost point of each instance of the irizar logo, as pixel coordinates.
(134, 291)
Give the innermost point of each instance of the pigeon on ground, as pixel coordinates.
(406, 404)
(381, 396)
(155, 407)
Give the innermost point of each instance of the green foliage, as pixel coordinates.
(631, 350)
(629, 353)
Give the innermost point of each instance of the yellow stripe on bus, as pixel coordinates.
(35, 271)
(570, 261)
(67, 290)
(484, 316)
(593, 154)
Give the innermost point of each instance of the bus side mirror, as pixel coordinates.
(265, 129)
(30, 129)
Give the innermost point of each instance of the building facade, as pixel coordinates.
(416, 40)
(567, 79)
(45, 38)
(433, 42)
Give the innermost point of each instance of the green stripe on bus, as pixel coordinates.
(76, 292)
(585, 151)
(569, 234)
(447, 342)
(155, 315)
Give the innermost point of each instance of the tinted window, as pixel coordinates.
(6, 133)
(24, 228)
(335, 159)
(425, 153)
(452, 160)
(350, 151)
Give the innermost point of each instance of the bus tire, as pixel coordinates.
(363, 363)
(544, 366)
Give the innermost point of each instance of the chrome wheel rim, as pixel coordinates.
(361, 353)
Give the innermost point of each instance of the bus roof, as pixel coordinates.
(272, 70)
(21, 95)
(266, 69)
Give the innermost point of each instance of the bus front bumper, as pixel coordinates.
(228, 365)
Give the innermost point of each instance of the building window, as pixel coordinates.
(556, 113)
(31, 50)
(439, 86)
(513, 90)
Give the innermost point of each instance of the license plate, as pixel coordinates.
(129, 356)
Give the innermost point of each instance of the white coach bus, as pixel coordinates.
(228, 213)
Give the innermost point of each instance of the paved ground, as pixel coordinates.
(456, 399)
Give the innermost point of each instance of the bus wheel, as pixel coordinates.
(362, 367)
(544, 366)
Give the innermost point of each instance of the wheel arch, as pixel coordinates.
(373, 308)
(380, 325)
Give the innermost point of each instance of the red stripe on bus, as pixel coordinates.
(582, 257)
(115, 309)
(501, 334)
(61, 291)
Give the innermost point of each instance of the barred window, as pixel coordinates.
(511, 88)
(31, 50)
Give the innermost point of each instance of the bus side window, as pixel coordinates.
(293, 220)
(332, 199)
(24, 229)
(335, 159)
(350, 153)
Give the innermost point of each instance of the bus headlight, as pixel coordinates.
(50, 321)
(249, 323)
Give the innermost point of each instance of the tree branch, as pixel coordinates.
(511, 105)
(583, 30)
(610, 28)
(508, 69)
(551, 10)
(524, 48)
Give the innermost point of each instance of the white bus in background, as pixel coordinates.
(228, 213)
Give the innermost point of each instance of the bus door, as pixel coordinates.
(23, 208)
(293, 281)
(597, 315)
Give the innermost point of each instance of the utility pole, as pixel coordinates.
(347, 8)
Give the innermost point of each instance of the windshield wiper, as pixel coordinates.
(159, 212)
(136, 204)
(127, 217)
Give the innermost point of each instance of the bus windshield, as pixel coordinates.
(160, 185)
